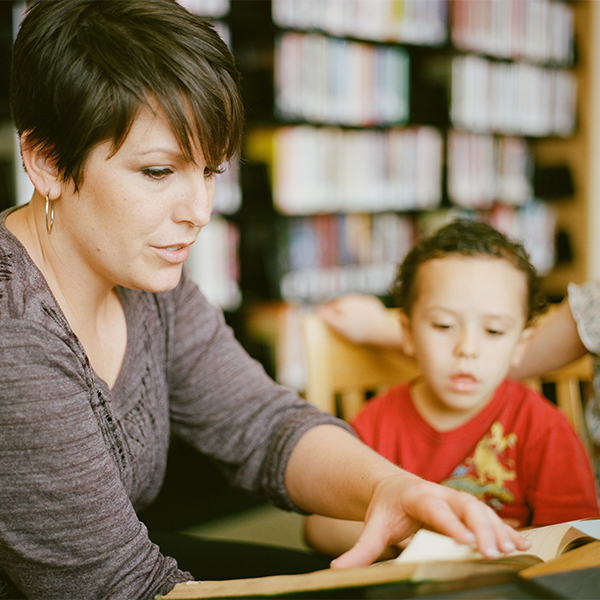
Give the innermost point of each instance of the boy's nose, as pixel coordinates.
(467, 345)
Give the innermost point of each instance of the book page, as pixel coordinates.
(547, 543)
(429, 546)
(590, 527)
(553, 540)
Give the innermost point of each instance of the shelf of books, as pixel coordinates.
(390, 116)
(346, 143)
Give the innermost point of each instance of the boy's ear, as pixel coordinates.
(41, 169)
(408, 345)
(521, 347)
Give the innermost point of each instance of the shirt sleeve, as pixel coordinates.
(584, 301)
(67, 527)
(224, 404)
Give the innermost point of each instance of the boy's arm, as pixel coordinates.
(555, 342)
(331, 536)
(363, 319)
(335, 536)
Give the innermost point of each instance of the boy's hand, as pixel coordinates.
(400, 506)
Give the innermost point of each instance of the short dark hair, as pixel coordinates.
(82, 69)
(467, 238)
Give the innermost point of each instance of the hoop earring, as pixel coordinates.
(49, 213)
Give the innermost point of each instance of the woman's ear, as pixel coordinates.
(408, 346)
(521, 347)
(41, 169)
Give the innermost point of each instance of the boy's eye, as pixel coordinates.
(442, 325)
(494, 332)
(157, 172)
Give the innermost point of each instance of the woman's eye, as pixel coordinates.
(156, 172)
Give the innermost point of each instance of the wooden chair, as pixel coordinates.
(340, 375)
(571, 383)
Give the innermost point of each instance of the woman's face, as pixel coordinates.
(138, 212)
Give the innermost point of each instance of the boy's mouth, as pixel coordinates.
(463, 382)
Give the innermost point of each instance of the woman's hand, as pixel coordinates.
(332, 473)
(399, 507)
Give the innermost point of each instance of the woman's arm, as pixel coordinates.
(555, 342)
(332, 473)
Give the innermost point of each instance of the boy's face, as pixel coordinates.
(466, 329)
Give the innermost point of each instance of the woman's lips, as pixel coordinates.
(175, 254)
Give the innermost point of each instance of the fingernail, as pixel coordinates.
(470, 538)
(509, 547)
(492, 553)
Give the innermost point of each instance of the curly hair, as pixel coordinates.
(467, 238)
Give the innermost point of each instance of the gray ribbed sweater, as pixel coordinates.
(77, 458)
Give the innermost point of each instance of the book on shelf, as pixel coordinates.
(437, 558)
(422, 22)
(330, 169)
(333, 80)
(533, 30)
(517, 98)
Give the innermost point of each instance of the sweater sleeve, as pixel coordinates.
(224, 404)
(67, 527)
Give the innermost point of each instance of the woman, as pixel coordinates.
(125, 111)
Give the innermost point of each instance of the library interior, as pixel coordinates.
(370, 123)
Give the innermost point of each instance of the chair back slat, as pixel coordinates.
(338, 368)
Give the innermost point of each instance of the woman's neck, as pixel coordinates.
(92, 308)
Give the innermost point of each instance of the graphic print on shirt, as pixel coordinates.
(485, 473)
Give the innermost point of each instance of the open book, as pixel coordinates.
(421, 561)
(546, 543)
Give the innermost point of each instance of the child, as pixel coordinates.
(468, 296)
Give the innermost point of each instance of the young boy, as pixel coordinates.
(468, 296)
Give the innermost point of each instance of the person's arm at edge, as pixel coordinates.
(363, 319)
(358, 484)
(554, 343)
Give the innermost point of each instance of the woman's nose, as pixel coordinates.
(195, 207)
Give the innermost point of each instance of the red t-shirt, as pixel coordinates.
(519, 453)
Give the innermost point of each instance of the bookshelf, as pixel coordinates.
(333, 179)
(331, 149)
(489, 106)
(578, 216)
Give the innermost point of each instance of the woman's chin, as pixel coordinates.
(162, 282)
